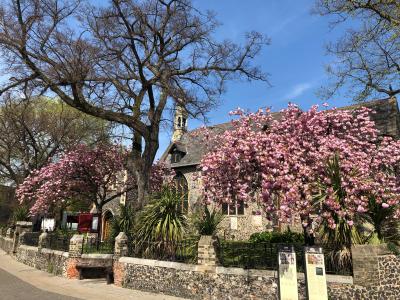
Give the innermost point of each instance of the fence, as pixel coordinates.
(265, 256)
(94, 245)
(182, 251)
(31, 238)
(59, 242)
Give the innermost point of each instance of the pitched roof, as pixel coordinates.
(387, 120)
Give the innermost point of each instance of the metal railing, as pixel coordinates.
(31, 238)
(182, 251)
(59, 242)
(93, 245)
(250, 255)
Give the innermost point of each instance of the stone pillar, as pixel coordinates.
(22, 226)
(121, 245)
(206, 251)
(21, 238)
(74, 254)
(43, 241)
(9, 233)
(120, 250)
(365, 263)
(75, 246)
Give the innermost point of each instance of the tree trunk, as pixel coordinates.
(100, 226)
(141, 164)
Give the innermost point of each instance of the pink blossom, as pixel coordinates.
(285, 162)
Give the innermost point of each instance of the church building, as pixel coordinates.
(186, 150)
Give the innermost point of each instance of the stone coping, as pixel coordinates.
(158, 263)
(26, 247)
(56, 252)
(23, 223)
(97, 256)
(222, 270)
(7, 239)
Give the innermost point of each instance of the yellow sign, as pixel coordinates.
(287, 275)
(315, 274)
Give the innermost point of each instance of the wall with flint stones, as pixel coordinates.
(376, 273)
(6, 244)
(48, 260)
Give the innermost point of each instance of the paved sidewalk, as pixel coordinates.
(21, 280)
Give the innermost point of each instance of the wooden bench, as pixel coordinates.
(108, 271)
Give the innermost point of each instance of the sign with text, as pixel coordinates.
(287, 273)
(315, 274)
(234, 223)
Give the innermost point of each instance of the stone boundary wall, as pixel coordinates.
(6, 244)
(191, 281)
(376, 274)
(51, 261)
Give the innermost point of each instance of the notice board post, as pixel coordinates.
(287, 273)
(315, 274)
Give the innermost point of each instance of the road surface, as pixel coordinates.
(13, 288)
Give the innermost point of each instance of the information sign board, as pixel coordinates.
(315, 274)
(287, 273)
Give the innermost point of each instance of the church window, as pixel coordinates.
(181, 186)
(176, 156)
(233, 209)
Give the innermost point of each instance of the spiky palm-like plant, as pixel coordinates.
(340, 238)
(20, 213)
(162, 223)
(385, 227)
(207, 222)
(124, 222)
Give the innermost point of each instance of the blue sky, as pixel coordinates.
(295, 59)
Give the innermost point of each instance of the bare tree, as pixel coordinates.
(126, 62)
(36, 130)
(368, 57)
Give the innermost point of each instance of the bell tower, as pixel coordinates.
(180, 122)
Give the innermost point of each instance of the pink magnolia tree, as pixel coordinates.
(287, 163)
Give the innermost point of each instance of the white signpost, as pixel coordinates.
(287, 273)
(315, 274)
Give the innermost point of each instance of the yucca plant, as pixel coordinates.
(340, 238)
(124, 222)
(385, 228)
(207, 222)
(161, 224)
(20, 213)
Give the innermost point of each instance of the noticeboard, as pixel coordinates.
(315, 274)
(287, 273)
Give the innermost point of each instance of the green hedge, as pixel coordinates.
(286, 237)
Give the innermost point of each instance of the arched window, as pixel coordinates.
(181, 186)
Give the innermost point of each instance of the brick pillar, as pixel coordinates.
(74, 253)
(365, 263)
(206, 251)
(43, 241)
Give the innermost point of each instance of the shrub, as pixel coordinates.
(207, 222)
(162, 220)
(20, 213)
(287, 237)
(124, 222)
